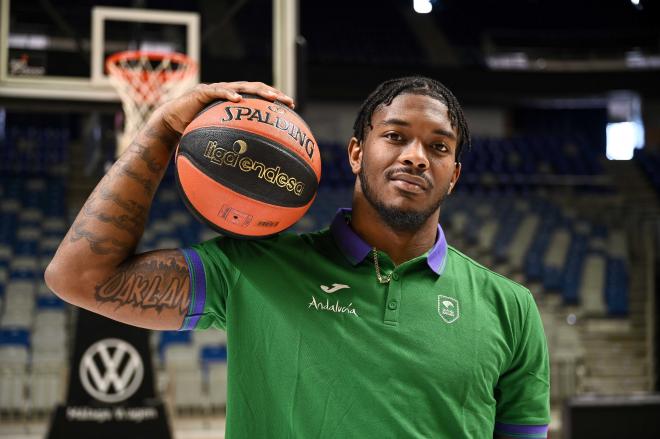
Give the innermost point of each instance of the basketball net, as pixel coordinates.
(145, 81)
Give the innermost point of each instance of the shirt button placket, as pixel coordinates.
(393, 300)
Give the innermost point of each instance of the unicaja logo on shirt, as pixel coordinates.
(234, 158)
(448, 309)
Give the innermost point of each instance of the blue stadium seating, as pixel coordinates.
(50, 302)
(210, 354)
(172, 337)
(509, 221)
(22, 151)
(617, 288)
(15, 336)
(573, 270)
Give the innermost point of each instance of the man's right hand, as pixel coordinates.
(178, 113)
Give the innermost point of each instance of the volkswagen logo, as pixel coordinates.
(111, 370)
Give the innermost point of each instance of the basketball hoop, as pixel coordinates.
(144, 81)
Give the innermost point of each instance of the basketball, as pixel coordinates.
(248, 169)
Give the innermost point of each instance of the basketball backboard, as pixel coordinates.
(57, 50)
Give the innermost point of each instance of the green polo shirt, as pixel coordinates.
(318, 348)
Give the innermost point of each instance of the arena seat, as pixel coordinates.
(54, 226)
(188, 389)
(456, 221)
(180, 357)
(592, 285)
(14, 347)
(209, 337)
(13, 398)
(49, 243)
(206, 234)
(14, 360)
(162, 227)
(554, 261)
(214, 361)
(46, 389)
(534, 259)
(19, 302)
(486, 234)
(178, 353)
(573, 271)
(564, 375)
(49, 332)
(522, 239)
(616, 288)
(42, 289)
(510, 221)
(471, 231)
(21, 153)
(168, 338)
(33, 336)
(168, 242)
(617, 244)
(49, 361)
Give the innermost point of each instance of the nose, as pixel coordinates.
(414, 154)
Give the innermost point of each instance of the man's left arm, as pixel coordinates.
(523, 391)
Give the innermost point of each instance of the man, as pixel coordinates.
(374, 327)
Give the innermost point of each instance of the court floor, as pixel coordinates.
(199, 427)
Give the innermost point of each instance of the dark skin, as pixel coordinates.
(413, 134)
(96, 267)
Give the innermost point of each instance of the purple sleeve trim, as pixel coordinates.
(520, 429)
(197, 289)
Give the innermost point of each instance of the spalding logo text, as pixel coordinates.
(252, 114)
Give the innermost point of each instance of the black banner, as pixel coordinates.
(111, 384)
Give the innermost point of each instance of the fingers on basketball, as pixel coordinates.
(260, 89)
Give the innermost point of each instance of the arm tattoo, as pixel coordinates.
(157, 284)
(133, 222)
(146, 183)
(127, 223)
(168, 138)
(148, 158)
(138, 212)
(99, 244)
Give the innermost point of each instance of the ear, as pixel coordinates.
(355, 155)
(454, 178)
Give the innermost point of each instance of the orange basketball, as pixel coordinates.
(248, 169)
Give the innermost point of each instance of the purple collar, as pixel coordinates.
(355, 249)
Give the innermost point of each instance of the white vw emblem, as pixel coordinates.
(448, 309)
(111, 370)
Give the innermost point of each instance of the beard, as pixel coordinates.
(398, 219)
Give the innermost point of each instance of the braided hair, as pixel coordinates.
(388, 90)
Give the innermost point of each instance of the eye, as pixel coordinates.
(440, 147)
(394, 136)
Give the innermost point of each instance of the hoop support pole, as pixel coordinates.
(285, 31)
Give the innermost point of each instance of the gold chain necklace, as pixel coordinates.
(382, 279)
